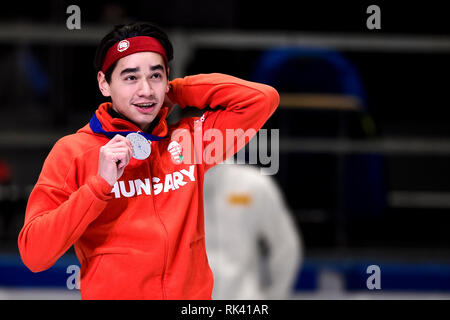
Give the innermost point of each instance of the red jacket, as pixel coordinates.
(144, 238)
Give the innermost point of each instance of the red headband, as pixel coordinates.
(132, 45)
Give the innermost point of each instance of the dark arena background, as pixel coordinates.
(364, 134)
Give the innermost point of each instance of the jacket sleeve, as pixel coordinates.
(239, 109)
(58, 212)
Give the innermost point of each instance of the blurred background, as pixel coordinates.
(364, 135)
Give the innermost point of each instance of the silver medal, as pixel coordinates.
(141, 146)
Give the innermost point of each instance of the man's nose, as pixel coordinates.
(145, 89)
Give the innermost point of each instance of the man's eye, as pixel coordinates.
(156, 75)
(130, 78)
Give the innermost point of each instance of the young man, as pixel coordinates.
(120, 189)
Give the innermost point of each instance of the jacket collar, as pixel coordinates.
(118, 124)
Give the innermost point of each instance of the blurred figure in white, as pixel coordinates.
(243, 209)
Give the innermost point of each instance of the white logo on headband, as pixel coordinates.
(123, 45)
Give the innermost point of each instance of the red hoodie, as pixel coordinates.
(144, 238)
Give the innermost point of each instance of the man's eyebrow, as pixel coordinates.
(157, 67)
(129, 70)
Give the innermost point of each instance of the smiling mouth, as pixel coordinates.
(144, 105)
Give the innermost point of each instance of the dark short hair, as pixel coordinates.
(131, 30)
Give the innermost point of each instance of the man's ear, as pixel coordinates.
(168, 80)
(103, 85)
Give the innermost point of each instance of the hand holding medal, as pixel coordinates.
(116, 154)
(113, 158)
(139, 142)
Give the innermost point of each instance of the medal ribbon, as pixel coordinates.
(96, 127)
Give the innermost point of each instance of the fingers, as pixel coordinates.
(121, 156)
(122, 159)
(118, 140)
(117, 150)
(117, 156)
(120, 150)
(114, 156)
(119, 143)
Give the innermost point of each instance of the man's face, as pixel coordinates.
(138, 87)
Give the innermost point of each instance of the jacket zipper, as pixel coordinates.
(166, 243)
(166, 249)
